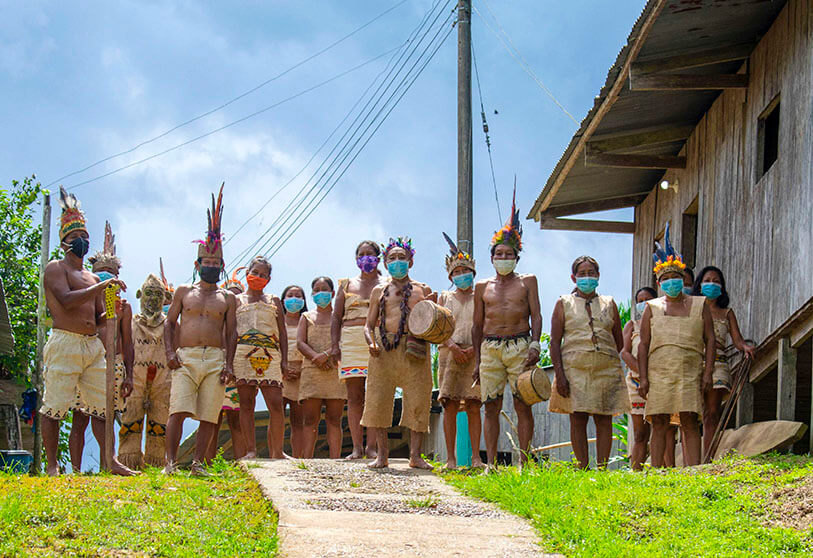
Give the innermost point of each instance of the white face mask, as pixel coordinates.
(641, 306)
(505, 267)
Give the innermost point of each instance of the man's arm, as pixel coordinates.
(626, 350)
(532, 287)
(127, 348)
(644, 337)
(55, 281)
(372, 320)
(711, 348)
(557, 330)
(617, 334)
(336, 322)
(230, 334)
(170, 325)
(477, 326)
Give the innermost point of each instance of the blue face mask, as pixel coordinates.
(640, 307)
(322, 298)
(587, 284)
(166, 308)
(672, 287)
(463, 281)
(711, 290)
(105, 275)
(687, 291)
(293, 304)
(398, 269)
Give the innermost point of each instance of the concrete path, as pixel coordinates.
(342, 508)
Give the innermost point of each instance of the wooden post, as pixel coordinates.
(111, 328)
(810, 430)
(786, 381)
(36, 378)
(745, 405)
(465, 232)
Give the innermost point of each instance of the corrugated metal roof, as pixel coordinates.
(672, 28)
(6, 336)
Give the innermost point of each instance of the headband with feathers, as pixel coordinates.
(167, 285)
(72, 218)
(107, 258)
(403, 242)
(511, 233)
(457, 257)
(666, 258)
(234, 281)
(212, 245)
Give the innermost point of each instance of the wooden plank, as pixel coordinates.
(586, 225)
(652, 137)
(802, 331)
(681, 82)
(593, 206)
(608, 101)
(694, 60)
(786, 381)
(766, 359)
(761, 437)
(598, 159)
(745, 405)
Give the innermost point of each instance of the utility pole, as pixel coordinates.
(465, 231)
(41, 327)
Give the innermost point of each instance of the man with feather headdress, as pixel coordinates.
(505, 334)
(200, 363)
(74, 366)
(106, 264)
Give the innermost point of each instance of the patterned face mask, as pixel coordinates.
(368, 264)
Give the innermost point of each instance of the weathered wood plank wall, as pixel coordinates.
(759, 230)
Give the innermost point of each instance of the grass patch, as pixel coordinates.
(147, 515)
(423, 503)
(721, 510)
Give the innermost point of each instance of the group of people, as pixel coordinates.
(204, 350)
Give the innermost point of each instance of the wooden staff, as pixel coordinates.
(559, 445)
(110, 377)
(36, 378)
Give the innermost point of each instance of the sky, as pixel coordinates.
(85, 81)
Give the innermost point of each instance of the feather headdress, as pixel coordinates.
(168, 287)
(212, 245)
(72, 218)
(107, 258)
(457, 257)
(403, 242)
(234, 282)
(511, 233)
(666, 258)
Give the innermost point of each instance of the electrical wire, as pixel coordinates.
(488, 139)
(233, 99)
(519, 58)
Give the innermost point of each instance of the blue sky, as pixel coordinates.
(83, 81)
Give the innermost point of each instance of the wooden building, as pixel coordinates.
(706, 121)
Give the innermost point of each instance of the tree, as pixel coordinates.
(20, 237)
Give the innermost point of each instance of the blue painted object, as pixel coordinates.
(463, 443)
(16, 461)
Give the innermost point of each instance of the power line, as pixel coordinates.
(284, 217)
(485, 131)
(234, 122)
(234, 99)
(519, 58)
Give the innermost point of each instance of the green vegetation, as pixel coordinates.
(731, 508)
(424, 502)
(148, 515)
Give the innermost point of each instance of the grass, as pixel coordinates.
(422, 503)
(147, 515)
(722, 510)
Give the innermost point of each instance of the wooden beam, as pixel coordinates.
(598, 159)
(694, 59)
(786, 381)
(801, 332)
(765, 361)
(608, 101)
(652, 137)
(745, 405)
(585, 225)
(594, 205)
(810, 432)
(681, 82)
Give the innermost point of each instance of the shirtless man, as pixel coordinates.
(200, 365)
(74, 366)
(504, 347)
(106, 264)
(396, 358)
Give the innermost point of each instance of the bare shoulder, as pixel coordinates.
(529, 279)
(425, 289)
(377, 290)
(183, 290)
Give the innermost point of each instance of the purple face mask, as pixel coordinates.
(368, 264)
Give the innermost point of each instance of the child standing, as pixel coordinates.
(293, 303)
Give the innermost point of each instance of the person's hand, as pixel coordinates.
(469, 353)
(227, 375)
(433, 296)
(562, 385)
(457, 353)
(708, 383)
(126, 386)
(532, 359)
(173, 362)
(113, 281)
(476, 374)
(374, 350)
(643, 388)
(322, 360)
(749, 351)
(335, 353)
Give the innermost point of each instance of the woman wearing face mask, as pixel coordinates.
(294, 305)
(629, 353)
(711, 284)
(320, 384)
(347, 338)
(675, 358)
(588, 379)
(261, 359)
(456, 357)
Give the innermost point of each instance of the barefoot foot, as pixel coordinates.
(357, 454)
(451, 464)
(418, 463)
(198, 470)
(122, 470)
(170, 468)
(477, 463)
(52, 470)
(371, 453)
(379, 463)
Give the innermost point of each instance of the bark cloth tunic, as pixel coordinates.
(355, 353)
(455, 380)
(257, 359)
(316, 383)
